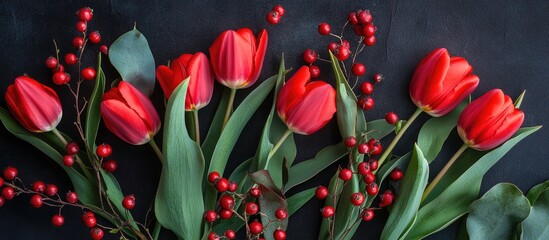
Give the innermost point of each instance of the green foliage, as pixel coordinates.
(93, 115)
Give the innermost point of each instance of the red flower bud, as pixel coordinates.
(34, 105)
(489, 121)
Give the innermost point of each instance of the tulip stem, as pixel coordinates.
(229, 107)
(443, 171)
(398, 136)
(196, 126)
(78, 159)
(277, 146)
(156, 150)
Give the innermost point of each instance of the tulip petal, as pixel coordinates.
(142, 105)
(231, 59)
(426, 82)
(455, 96)
(124, 122)
(200, 87)
(166, 79)
(481, 113)
(259, 56)
(292, 91)
(500, 131)
(314, 110)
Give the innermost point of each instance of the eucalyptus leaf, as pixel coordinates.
(497, 214)
(409, 198)
(93, 114)
(534, 193)
(131, 56)
(536, 226)
(179, 205)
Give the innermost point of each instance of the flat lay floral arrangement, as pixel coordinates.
(252, 201)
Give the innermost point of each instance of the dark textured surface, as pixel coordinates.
(506, 43)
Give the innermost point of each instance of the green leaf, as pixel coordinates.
(241, 171)
(346, 213)
(462, 232)
(216, 126)
(116, 196)
(270, 201)
(435, 131)
(408, 201)
(460, 187)
(179, 204)
(131, 56)
(497, 214)
(534, 193)
(535, 225)
(324, 232)
(380, 128)
(93, 114)
(307, 169)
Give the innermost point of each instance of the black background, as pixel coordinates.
(506, 43)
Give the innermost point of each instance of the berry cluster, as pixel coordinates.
(273, 17)
(250, 212)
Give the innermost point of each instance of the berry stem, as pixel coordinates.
(157, 150)
(229, 108)
(277, 146)
(398, 136)
(443, 171)
(196, 124)
(78, 159)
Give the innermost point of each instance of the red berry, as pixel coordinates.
(364, 17)
(8, 193)
(1, 182)
(350, 142)
(10, 173)
(279, 9)
(72, 197)
(81, 26)
(51, 62)
(314, 70)
(210, 216)
(367, 215)
(357, 199)
(369, 30)
(230, 234)
(363, 148)
(333, 47)
(327, 211)
(345, 174)
(72, 148)
(71, 59)
(281, 214)
(2, 201)
(90, 221)
(369, 41)
(78, 42)
(352, 18)
(378, 77)
(367, 88)
(309, 56)
(86, 215)
(96, 233)
(346, 44)
(226, 202)
(95, 37)
(232, 186)
(391, 118)
(372, 189)
(279, 234)
(378, 149)
(213, 176)
(88, 73)
(109, 166)
(104, 150)
(369, 177)
(36, 201)
(57, 220)
(85, 14)
(342, 53)
(358, 69)
(324, 29)
(366, 103)
(255, 192)
(273, 17)
(39, 186)
(60, 78)
(222, 185)
(358, 29)
(252, 208)
(225, 213)
(104, 49)
(213, 236)
(321, 192)
(396, 174)
(373, 164)
(68, 160)
(59, 68)
(256, 227)
(386, 198)
(128, 202)
(363, 168)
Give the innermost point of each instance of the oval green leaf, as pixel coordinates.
(534, 193)
(536, 224)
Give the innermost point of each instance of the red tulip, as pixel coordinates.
(129, 114)
(489, 121)
(237, 57)
(34, 105)
(440, 83)
(200, 87)
(305, 106)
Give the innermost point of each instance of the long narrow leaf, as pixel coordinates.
(93, 114)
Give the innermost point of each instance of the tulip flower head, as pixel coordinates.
(441, 82)
(237, 57)
(35, 106)
(198, 68)
(489, 121)
(305, 106)
(129, 114)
